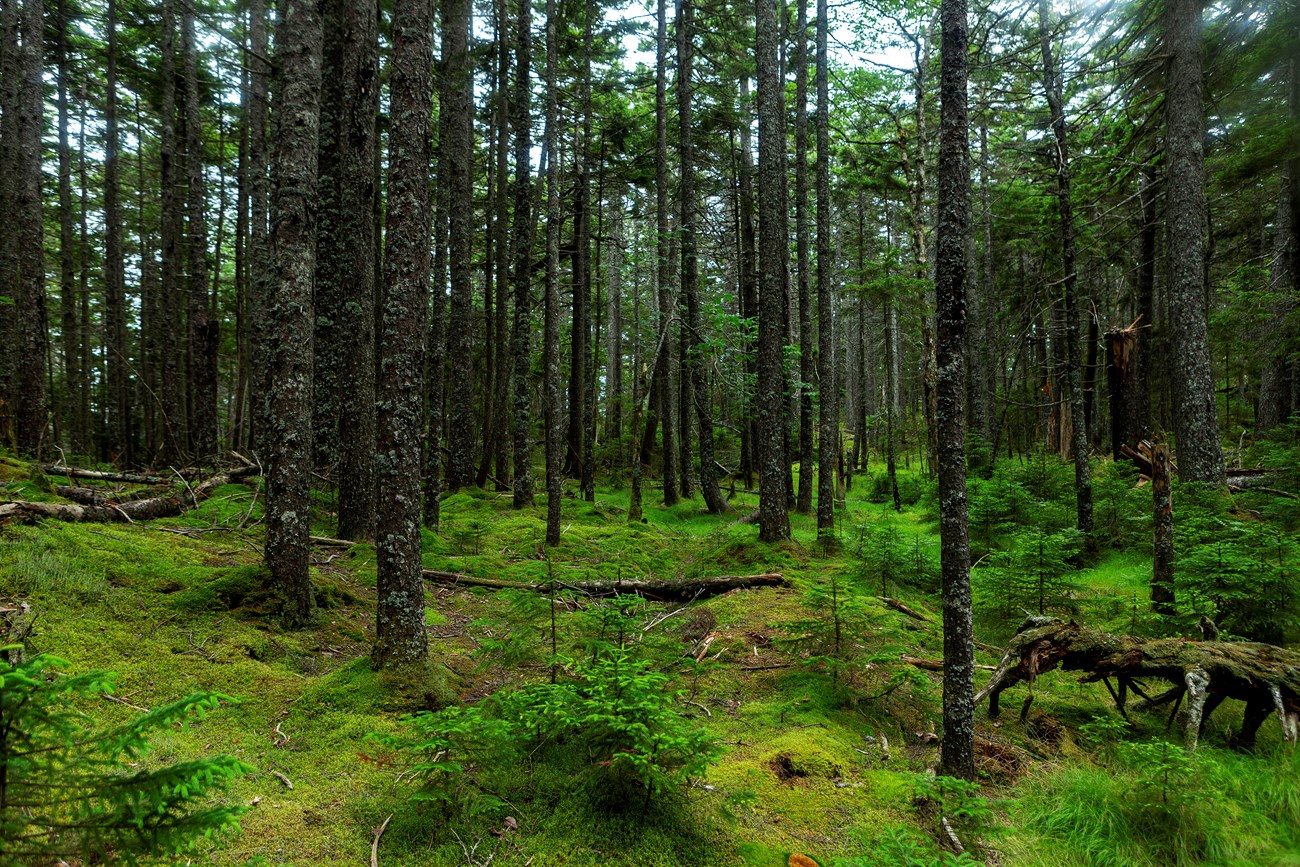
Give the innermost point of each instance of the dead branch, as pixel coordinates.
(374, 844)
(900, 607)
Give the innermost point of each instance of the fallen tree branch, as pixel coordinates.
(166, 506)
(933, 664)
(685, 590)
(374, 844)
(102, 475)
(900, 607)
(1264, 676)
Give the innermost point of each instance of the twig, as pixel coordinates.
(282, 778)
(374, 844)
(124, 703)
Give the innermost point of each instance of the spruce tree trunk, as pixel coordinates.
(1196, 425)
(293, 242)
(614, 329)
(70, 351)
(1069, 285)
(458, 166)
(828, 392)
(551, 328)
(748, 253)
(204, 327)
(956, 757)
(773, 521)
(170, 323)
(663, 409)
(496, 445)
(807, 362)
(400, 637)
(10, 94)
(1162, 574)
(259, 253)
(522, 242)
(117, 408)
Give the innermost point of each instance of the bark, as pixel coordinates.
(957, 751)
(436, 375)
(204, 327)
(551, 328)
(495, 446)
(692, 369)
(807, 362)
(1069, 286)
(293, 242)
(10, 94)
(31, 402)
(663, 409)
(684, 590)
(1265, 677)
(614, 329)
(522, 242)
(123, 509)
(828, 392)
(458, 165)
(70, 349)
(259, 288)
(1278, 371)
(115, 343)
(773, 521)
(400, 637)
(1162, 574)
(1196, 426)
(169, 324)
(748, 252)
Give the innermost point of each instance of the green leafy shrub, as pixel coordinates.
(1030, 577)
(73, 791)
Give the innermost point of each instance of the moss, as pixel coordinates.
(225, 589)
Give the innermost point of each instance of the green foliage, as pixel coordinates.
(70, 790)
(1029, 577)
(830, 636)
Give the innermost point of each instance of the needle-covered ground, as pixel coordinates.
(782, 722)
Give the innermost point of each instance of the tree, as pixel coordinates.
(522, 244)
(1196, 425)
(114, 269)
(957, 757)
(662, 407)
(807, 362)
(827, 387)
(773, 522)
(551, 327)
(400, 637)
(456, 161)
(291, 316)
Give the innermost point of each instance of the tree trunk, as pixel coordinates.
(259, 253)
(614, 328)
(1162, 575)
(827, 387)
(773, 521)
(204, 328)
(1069, 288)
(495, 447)
(70, 350)
(293, 242)
(957, 751)
(169, 325)
(663, 409)
(748, 253)
(1196, 426)
(400, 637)
(10, 95)
(551, 329)
(459, 154)
(807, 362)
(522, 241)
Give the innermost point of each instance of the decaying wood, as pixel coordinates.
(168, 505)
(102, 496)
(900, 607)
(684, 590)
(106, 476)
(1265, 677)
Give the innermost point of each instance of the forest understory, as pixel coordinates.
(795, 720)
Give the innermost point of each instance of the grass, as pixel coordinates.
(183, 604)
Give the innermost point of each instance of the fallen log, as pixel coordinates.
(102, 496)
(900, 607)
(932, 664)
(168, 505)
(105, 476)
(1265, 677)
(685, 590)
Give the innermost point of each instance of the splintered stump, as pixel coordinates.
(1205, 673)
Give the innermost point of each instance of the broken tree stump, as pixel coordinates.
(1264, 676)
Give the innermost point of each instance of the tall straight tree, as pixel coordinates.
(115, 347)
(803, 502)
(827, 387)
(346, 272)
(290, 321)
(1069, 282)
(400, 638)
(1196, 424)
(204, 329)
(661, 383)
(522, 245)
(31, 399)
(551, 327)
(259, 290)
(457, 162)
(693, 369)
(957, 750)
(73, 433)
(168, 324)
(773, 244)
(10, 94)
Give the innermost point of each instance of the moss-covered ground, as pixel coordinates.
(822, 750)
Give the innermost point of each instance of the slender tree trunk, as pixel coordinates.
(170, 321)
(293, 242)
(436, 376)
(956, 758)
(1069, 286)
(807, 362)
(496, 446)
(1196, 426)
(10, 96)
(827, 387)
(551, 328)
(70, 351)
(204, 328)
(259, 289)
(614, 329)
(748, 244)
(523, 230)
(115, 348)
(400, 637)
(1162, 576)
(459, 153)
(773, 521)
(664, 406)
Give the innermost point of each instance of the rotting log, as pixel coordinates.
(169, 505)
(903, 609)
(684, 590)
(103, 496)
(1264, 676)
(123, 478)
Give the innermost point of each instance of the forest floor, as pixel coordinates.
(824, 751)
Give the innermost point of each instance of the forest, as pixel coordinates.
(589, 432)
